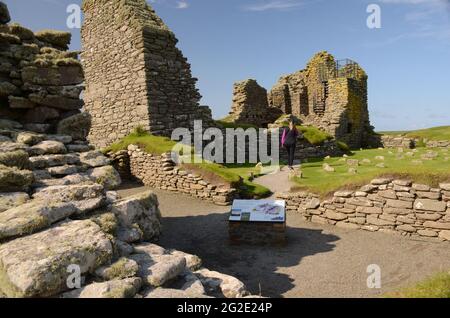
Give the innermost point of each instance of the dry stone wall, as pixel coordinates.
(384, 205)
(135, 74)
(39, 78)
(250, 105)
(162, 173)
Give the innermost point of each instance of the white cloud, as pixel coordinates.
(274, 5)
(182, 5)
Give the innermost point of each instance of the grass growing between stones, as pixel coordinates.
(399, 165)
(437, 286)
(435, 133)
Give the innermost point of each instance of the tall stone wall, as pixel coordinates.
(250, 105)
(135, 74)
(384, 205)
(39, 77)
(327, 95)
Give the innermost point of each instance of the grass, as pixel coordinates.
(435, 133)
(227, 123)
(437, 286)
(316, 180)
(152, 144)
(314, 135)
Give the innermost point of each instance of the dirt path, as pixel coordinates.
(276, 182)
(319, 260)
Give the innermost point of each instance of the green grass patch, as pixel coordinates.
(435, 133)
(314, 135)
(155, 145)
(316, 180)
(437, 286)
(228, 123)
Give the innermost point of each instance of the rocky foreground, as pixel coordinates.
(59, 215)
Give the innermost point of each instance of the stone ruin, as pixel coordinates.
(39, 79)
(251, 106)
(134, 73)
(328, 94)
(57, 205)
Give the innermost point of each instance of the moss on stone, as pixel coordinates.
(17, 159)
(53, 37)
(106, 221)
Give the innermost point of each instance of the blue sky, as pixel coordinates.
(407, 60)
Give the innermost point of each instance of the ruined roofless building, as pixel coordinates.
(328, 94)
(134, 73)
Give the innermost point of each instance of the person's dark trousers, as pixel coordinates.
(291, 153)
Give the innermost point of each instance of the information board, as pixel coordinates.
(258, 211)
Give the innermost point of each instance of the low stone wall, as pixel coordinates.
(388, 141)
(305, 150)
(161, 172)
(384, 205)
(408, 142)
(438, 143)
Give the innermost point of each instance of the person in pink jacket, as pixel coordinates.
(289, 142)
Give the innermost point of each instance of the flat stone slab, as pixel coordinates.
(37, 265)
(229, 286)
(11, 200)
(172, 293)
(155, 270)
(32, 217)
(124, 288)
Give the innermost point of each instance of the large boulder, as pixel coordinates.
(155, 270)
(18, 159)
(123, 268)
(76, 126)
(225, 285)
(11, 200)
(38, 265)
(9, 124)
(125, 288)
(106, 176)
(48, 147)
(4, 13)
(53, 76)
(55, 101)
(40, 115)
(13, 179)
(94, 159)
(141, 210)
(33, 216)
(85, 197)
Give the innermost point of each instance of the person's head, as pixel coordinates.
(291, 125)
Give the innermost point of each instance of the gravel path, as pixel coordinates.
(276, 182)
(319, 260)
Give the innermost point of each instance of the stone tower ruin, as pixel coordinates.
(328, 94)
(134, 73)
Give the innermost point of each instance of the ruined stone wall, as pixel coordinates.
(250, 105)
(135, 74)
(162, 173)
(39, 77)
(328, 97)
(384, 205)
(388, 141)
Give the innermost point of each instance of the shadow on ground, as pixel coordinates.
(207, 237)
